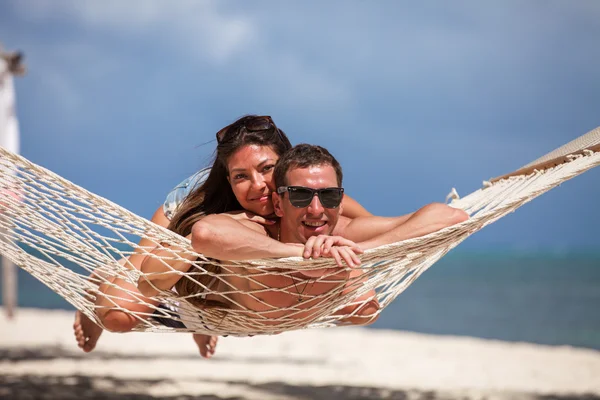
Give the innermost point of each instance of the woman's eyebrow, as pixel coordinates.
(260, 164)
(266, 160)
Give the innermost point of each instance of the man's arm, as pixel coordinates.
(353, 209)
(365, 228)
(371, 232)
(224, 238)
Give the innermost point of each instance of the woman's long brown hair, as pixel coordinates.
(215, 195)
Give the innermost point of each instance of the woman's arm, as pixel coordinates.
(352, 208)
(215, 236)
(156, 269)
(135, 260)
(149, 264)
(225, 238)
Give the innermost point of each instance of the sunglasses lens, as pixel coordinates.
(300, 197)
(254, 124)
(331, 197)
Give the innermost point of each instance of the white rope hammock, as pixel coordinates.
(61, 234)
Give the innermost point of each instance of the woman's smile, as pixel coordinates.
(262, 199)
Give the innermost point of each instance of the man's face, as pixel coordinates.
(298, 224)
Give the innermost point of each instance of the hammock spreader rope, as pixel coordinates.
(61, 234)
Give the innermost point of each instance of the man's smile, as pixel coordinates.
(313, 224)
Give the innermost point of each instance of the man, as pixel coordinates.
(307, 199)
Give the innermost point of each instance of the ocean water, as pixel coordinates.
(541, 298)
(546, 299)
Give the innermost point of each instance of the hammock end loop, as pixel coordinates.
(452, 196)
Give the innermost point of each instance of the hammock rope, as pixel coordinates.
(73, 241)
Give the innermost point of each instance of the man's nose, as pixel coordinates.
(315, 207)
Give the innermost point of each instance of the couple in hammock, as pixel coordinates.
(247, 208)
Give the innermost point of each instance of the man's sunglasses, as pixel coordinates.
(253, 124)
(301, 196)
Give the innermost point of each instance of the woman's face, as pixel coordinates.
(251, 177)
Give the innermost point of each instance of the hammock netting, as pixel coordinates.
(76, 242)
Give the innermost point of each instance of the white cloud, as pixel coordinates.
(292, 56)
(292, 82)
(204, 33)
(51, 68)
(196, 26)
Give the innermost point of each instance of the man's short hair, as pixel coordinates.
(304, 156)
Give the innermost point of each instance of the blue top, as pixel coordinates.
(181, 191)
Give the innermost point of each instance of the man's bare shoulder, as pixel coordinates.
(341, 226)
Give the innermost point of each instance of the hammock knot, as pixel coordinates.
(571, 157)
(453, 195)
(487, 184)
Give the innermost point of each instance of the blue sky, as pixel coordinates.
(413, 98)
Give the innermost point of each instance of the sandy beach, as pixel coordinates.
(39, 360)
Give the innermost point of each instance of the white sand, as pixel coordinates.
(40, 343)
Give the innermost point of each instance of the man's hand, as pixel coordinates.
(335, 247)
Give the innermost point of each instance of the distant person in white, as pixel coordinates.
(10, 64)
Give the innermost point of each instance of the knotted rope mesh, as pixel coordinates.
(79, 244)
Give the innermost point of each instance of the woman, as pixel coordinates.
(180, 211)
(241, 179)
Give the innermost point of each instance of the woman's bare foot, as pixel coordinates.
(86, 332)
(366, 314)
(206, 344)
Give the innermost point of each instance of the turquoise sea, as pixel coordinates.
(540, 298)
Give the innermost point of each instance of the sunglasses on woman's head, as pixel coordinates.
(253, 124)
(301, 196)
